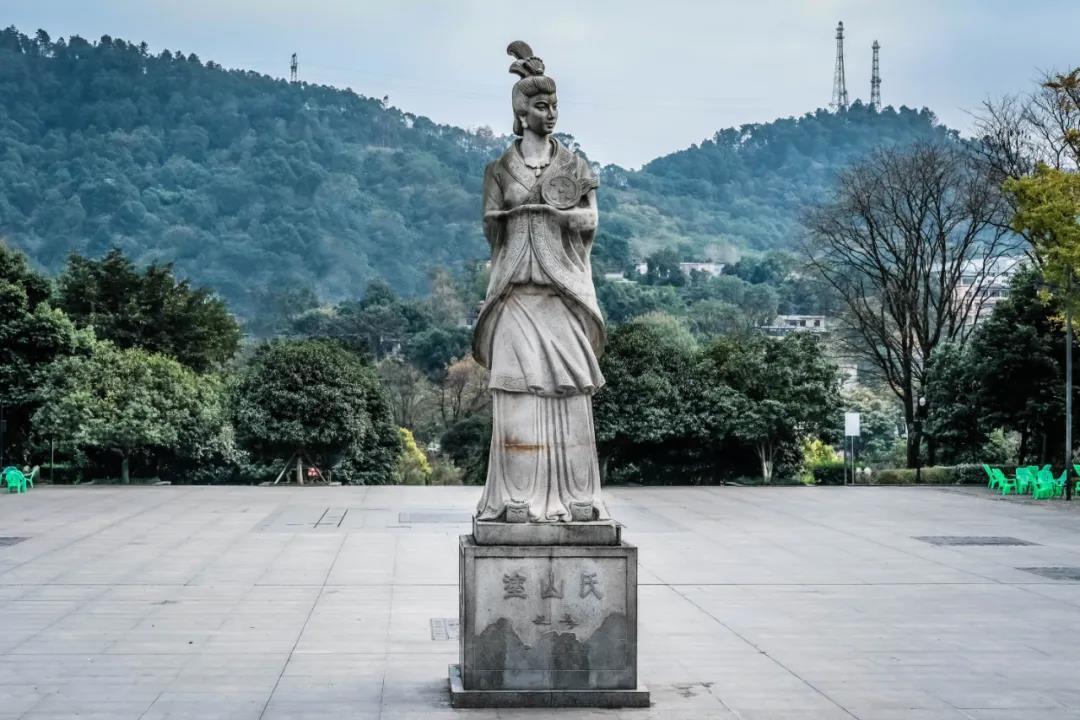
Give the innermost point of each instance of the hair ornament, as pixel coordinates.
(527, 64)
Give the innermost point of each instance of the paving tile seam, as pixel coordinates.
(218, 554)
(60, 618)
(389, 624)
(168, 548)
(168, 500)
(300, 635)
(765, 653)
(870, 540)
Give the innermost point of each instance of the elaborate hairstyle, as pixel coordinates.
(533, 80)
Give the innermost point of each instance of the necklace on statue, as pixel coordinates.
(538, 168)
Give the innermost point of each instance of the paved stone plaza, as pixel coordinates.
(771, 603)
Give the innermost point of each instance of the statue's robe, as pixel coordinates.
(540, 333)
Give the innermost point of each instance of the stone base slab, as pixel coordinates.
(548, 618)
(596, 532)
(462, 698)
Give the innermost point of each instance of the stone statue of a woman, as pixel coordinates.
(540, 331)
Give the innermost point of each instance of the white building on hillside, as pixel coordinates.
(785, 324)
(713, 269)
(990, 282)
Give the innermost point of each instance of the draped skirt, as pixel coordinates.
(543, 443)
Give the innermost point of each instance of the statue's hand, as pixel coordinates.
(579, 219)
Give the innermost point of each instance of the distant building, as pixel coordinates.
(469, 321)
(616, 277)
(786, 324)
(990, 282)
(709, 268)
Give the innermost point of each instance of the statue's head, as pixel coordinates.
(533, 96)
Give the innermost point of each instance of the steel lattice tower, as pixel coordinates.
(292, 69)
(839, 91)
(875, 81)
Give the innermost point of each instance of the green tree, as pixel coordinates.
(321, 399)
(467, 442)
(1047, 213)
(32, 335)
(414, 401)
(128, 401)
(1010, 377)
(412, 466)
(881, 421)
(645, 416)
(957, 421)
(782, 391)
(277, 308)
(663, 268)
(150, 309)
(435, 349)
(624, 300)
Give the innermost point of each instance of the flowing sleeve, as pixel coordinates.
(493, 200)
(586, 174)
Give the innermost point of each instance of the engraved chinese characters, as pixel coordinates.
(514, 586)
(539, 596)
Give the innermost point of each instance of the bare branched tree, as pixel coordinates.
(911, 242)
(1018, 132)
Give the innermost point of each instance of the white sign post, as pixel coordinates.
(851, 431)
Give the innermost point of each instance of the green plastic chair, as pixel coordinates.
(996, 477)
(1025, 480)
(1049, 487)
(1007, 484)
(34, 472)
(15, 480)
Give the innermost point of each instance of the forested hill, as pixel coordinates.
(744, 188)
(246, 182)
(240, 179)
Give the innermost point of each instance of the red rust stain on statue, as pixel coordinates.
(518, 446)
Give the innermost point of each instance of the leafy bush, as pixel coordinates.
(830, 472)
(412, 466)
(444, 472)
(937, 475)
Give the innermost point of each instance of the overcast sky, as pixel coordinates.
(637, 79)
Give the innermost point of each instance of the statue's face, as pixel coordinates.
(542, 114)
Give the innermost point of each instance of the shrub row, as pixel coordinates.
(833, 474)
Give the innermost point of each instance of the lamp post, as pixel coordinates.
(919, 412)
(1068, 384)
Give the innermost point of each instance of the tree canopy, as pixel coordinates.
(150, 309)
(128, 400)
(319, 398)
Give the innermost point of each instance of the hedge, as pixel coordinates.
(833, 474)
(828, 473)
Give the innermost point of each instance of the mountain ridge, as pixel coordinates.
(246, 182)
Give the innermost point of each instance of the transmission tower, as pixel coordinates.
(875, 81)
(839, 91)
(292, 69)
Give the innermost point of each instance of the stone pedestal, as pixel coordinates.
(548, 625)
